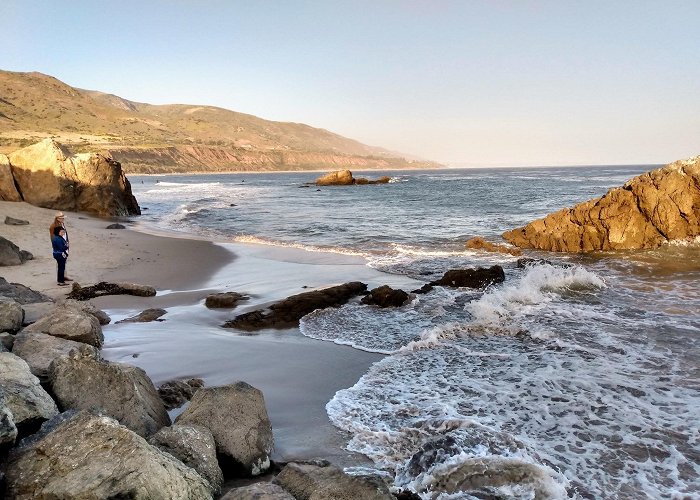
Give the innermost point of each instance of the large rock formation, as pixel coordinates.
(345, 178)
(46, 174)
(85, 456)
(71, 324)
(655, 207)
(39, 350)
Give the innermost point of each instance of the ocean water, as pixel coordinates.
(577, 378)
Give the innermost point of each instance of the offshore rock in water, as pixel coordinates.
(649, 210)
(385, 296)
(489, 477)
(288, 312)
(479, 243)
(471, 278)
(337, 178)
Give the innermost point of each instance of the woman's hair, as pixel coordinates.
(57, 230)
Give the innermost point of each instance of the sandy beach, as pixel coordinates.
(297, 375)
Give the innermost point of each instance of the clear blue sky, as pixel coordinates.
(477, 82)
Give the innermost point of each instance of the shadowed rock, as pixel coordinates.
(11, 221)
(145, 316)
(651, 209)
(81, 455)
(116, 226)
(237, 418)
(224, 300)
(307, 481)
(11, 315)
(8, 429)
(104, 288)
(194, 446)
(11, 255)
(8, 189)
(80, 381)
(176, 393)
(288, 312)
(21, 293)
(385, 296)
(26, 399)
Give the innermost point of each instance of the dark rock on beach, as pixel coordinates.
(309, 481)
(385, 296)
(145, 316)
(11, 221)
(103, 288)
(82, 455)
(471, 278)
(288, 312)
(175, 393)
(194, 446)
(116, 226)
(21, 293)
(237, 418)
(11, 255)
(80, 381)
(224, 300)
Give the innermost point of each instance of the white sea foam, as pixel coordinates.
(259, 240)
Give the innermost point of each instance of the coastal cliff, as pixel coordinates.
(649, 210)
(173, 138)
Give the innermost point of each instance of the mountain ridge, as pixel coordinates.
(172, 138)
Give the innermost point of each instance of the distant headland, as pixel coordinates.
(173, 138)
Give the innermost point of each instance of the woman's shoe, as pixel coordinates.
(62, 284)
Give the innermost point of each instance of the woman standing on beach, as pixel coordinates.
(60, 253)
(59, 221)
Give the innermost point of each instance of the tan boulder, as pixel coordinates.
(479, 243)
(337, 178)
(651, 209)
(48, 175)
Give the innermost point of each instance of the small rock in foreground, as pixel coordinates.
(224, 300)
(176, 393)
(11, 221)
(145, 316)
(385, 296)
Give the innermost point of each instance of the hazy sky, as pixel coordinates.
(478, 82)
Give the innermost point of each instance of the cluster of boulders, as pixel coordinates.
(345, 178)
(72, 423)
(651, 209)
(48, 175)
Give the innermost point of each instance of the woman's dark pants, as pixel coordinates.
(61, 268)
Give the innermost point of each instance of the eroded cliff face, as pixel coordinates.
(653, 208)
(185, 158)
(48, 175)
